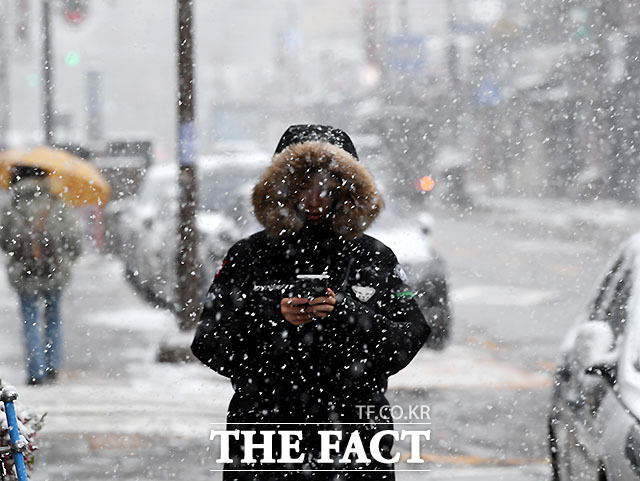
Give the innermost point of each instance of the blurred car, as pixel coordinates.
(407, 230)
(148, 240)
(147, 224)
(410, 239)
(594, 422)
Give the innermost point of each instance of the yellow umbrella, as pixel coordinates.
(76, 181)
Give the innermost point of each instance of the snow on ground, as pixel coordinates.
(113, 388)
(152, 321)
(107, 327)
(464, 367)
(526, 473)
(505, 296)
(153, 398)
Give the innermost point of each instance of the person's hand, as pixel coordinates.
(298, 310)
(294, 310)
(321, 307)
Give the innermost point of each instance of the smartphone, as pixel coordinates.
(311, 286)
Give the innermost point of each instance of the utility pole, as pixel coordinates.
(453, 62)
(376, 41)
(371, 44)
(187, 266)
(94, 106)
(47, 74)
(4, 73)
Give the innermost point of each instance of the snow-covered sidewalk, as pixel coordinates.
(110, 381)
(117, 412)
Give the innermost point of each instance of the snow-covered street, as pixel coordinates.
(369, 182)
(117, 413)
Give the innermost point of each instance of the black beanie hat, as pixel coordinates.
(298, 134)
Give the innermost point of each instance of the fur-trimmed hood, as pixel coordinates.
(357, 200)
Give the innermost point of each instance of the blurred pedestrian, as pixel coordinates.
(42, 241)
(297, 359)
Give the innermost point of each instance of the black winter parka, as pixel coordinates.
(316, 374)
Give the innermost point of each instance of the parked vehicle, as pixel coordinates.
(147, 229)
(410, 239)
(594, 423)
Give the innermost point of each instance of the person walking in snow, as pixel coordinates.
(42, 241)
(299, 360)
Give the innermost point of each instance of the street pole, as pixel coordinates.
(370, 18)
(455, 99)
(4, 74)
(94, 106)
(47, 74)
(187, 256)
(376, 42)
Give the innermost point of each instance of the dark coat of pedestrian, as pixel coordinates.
(42, 241)
(292, 360)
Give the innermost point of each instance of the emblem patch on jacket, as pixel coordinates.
(363, 293)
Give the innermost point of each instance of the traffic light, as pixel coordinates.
(72, 58)
(74, 11)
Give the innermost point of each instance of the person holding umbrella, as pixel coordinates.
(299, 357)
(42, 241)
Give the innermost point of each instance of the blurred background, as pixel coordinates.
(536, 96)
(503, 135)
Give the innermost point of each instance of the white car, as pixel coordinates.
(148, 223)
(594, 422)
